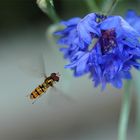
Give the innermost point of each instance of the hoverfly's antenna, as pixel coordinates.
(58, 74)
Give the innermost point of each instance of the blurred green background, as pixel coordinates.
(20, 13)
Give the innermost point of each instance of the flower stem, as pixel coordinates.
(54, 17)
(114, 3)
(138, 117)
(137, 89)
(125, 111)
(109, 6)
(92, 5)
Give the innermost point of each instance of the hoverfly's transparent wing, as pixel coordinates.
(42, 64)
(56, 97)
(61, 93)
(33, 64)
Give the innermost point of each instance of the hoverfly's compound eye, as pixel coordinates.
(53, 74)
(55, 78)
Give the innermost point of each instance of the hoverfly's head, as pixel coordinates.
(55, 76)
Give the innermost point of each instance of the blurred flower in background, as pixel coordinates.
(133, 19)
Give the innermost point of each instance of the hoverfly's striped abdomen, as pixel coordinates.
(39, 90)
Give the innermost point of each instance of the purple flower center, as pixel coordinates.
(107, 40)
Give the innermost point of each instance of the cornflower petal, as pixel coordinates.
(117, 82)
(71, 22)
(87, 27)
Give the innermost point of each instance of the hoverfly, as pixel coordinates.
(38, 69)
(41, 89)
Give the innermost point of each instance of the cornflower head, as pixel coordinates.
(107, 47)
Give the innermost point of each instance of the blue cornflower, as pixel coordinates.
(107, 47)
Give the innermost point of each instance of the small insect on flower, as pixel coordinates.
(41, 89)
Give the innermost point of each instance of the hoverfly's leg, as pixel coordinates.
(51, 84)
(43, 75)
(36, 99)
(58, 74)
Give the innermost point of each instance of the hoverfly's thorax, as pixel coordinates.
(49, 81)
